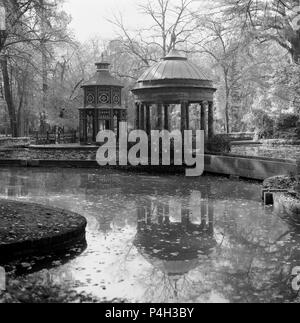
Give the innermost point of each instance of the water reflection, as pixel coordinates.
(175, 246)
(161, 239)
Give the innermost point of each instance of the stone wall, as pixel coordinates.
(35, 153)
(85, 156)
(238, 136)
(6, 142)
(267, 151)
(247, 167)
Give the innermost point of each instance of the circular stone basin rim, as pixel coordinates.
(28, 229)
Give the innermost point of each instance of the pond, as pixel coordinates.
(157, 239)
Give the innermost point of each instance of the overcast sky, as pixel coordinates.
(89, 16)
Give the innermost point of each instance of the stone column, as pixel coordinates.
(142, 117)
(166, 113)
(137, 115)
(183, 117)
(210, 119)
(159, 117)
(118, 126)
(187, 116)
(148, 119)
(203, 117)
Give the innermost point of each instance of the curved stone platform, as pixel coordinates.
(28, 229)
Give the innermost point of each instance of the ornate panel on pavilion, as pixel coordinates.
(104, 95)
(116, 96)
(104, 114)
(90, 96)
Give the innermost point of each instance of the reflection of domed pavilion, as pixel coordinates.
(174, 80)
(175, 248)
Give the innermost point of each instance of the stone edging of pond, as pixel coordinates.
(28, 229)
(287, 204)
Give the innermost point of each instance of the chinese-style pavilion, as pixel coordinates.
(103, 108)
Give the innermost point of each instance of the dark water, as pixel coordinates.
(160, 239)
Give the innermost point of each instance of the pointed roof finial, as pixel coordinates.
(104, 64)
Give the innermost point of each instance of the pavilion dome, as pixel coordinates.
(174, 67)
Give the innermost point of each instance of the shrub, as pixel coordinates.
(287, 121)
(263, 134)
(280, 182)
(218, 144)
(262, 123)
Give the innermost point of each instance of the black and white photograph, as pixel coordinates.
(149, 154)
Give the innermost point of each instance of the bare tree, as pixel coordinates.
(224, 48)
(173, 25)
(31, 24)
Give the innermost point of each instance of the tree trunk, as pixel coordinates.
(9, 98)
(44, 55)
(44, 76)
(227, 118)
(20, 118)
(227, 106)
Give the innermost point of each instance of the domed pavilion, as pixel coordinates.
(174, 81)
